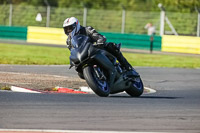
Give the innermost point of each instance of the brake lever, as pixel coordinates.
(71, 66)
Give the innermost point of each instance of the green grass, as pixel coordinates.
(41, 55)
(159, 60)
(37, 55)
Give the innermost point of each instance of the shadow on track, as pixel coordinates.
(146, 97)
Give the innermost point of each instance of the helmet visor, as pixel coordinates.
(68, 29)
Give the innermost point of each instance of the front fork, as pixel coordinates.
(99, 73)
(105, 63)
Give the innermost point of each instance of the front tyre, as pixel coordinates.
(97, 84)
(136, 88)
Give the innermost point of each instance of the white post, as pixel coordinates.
(48, 16)
(85, 16)
(123, 20)
(198, 25)
(10, 15)
(162, 22)
(171, 26)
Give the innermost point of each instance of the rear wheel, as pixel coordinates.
(136, 88)
(95, 78)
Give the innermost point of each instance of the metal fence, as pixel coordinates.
(119, 21)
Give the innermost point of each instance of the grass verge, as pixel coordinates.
(42, 55)
(5, 88)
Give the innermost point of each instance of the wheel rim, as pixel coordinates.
(102, 84)
(138, 84)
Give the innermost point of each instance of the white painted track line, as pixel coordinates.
(64, 131)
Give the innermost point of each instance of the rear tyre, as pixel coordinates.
(136, 88)
(99, 86)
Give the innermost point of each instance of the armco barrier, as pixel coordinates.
(181, 44)
(169, 43)
(57, 36)
(46, 35)
(18, 33)
(134, 41)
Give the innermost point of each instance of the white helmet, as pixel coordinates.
(71, 25)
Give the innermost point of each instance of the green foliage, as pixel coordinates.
(4, 13)
(105, 15)
(178, 5)
(139, 5)
(101, 20)
(106, 20)
(58, 15)
(184, 23)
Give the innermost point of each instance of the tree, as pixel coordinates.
(139, 5)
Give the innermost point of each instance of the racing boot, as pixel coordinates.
(130, 71)
(114, 49)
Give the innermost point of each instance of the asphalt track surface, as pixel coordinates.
(175, 107)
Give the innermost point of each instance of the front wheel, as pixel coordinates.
(95, 78)
(136, 88)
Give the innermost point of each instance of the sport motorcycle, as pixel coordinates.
(101, 70)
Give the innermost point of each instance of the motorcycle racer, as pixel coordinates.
(72, 27)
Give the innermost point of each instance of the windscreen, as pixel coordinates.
(79, 40)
